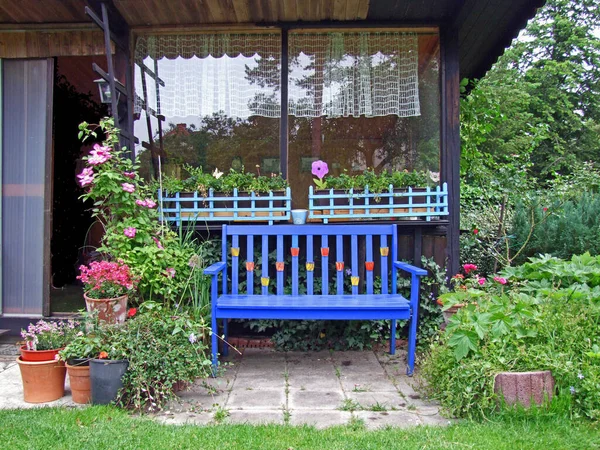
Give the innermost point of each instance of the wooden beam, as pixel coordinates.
(283, 121)
(450, 140)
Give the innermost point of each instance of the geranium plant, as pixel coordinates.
(49, 335)
(469, 286)
(105, 279)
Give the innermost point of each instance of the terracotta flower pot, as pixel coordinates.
(110, 310)
(43, 381)
(38, 355)
(79, 379)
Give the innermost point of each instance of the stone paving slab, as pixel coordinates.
(320, 389)
(11, 391)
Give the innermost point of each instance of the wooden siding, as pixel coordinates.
(46, 44)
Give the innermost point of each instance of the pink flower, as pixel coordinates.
(320, 169)
(158, 243)
(129, 174)
(481, 281)
(544, 209)
(469, 268)
(500, 280)
(86, 176)
(475, 231)
(150, 203)
(129, 232)
(128, 187)
(170, 272)
(99, 155)
(141, 202)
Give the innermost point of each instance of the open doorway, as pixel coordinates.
(74, 237)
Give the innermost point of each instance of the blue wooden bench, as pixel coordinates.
(228, 302)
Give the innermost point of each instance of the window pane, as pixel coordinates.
(358, 142)
(220, 96)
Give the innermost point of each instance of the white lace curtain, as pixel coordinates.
(353, 74)
(330, 74)
(203, 74)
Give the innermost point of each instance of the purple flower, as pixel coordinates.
(320, 169)
(170, 272)
(86, 176)
(150, 203)
(192, 338)
(128, 187)
(130, 175)
(572, 389)
(99, 155)
(348, 272)
(129, 232)
(158, 243)
(140, 202)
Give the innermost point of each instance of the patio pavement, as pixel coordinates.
(264, 386)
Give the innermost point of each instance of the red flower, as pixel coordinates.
(132, 312)
(103, 355)
(475, 231)
(469, 268)
(545, 209)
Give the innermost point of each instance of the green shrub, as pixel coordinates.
(546, 318)
(164, 347)
(562, 230)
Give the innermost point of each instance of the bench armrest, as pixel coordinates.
(215, 268)
(410, 269)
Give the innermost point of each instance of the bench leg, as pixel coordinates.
(225, 338)
(215, 346)
(412, 343)
(393, 337)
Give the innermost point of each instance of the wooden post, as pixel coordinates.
(283, 124)
(450, 140)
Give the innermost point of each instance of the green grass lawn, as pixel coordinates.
(107, 427)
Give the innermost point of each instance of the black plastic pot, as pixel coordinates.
(78, 362)
(106, 378)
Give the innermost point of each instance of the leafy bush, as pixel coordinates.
(545, 318)
(560, 229)
(379, 182)
(164, 347)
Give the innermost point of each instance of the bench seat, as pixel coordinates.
(264, 268)
(320, 307)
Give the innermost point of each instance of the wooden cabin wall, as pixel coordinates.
(47, 44)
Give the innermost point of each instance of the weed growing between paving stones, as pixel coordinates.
(220, 414)
(350, 405)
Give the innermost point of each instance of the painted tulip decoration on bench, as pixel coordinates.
(106, 288)
(370, 195)
(313, 242)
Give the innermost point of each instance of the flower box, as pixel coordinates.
(410, 203)
(179, 207)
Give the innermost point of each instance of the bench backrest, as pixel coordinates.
(357, 253)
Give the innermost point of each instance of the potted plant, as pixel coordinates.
(382, 192)
(77, 353)
(43, 340)
(42, 372)
(232, 195)
(108, 366)
(106, 288)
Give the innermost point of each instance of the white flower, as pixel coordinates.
(435, 176)
(217, 174)
(192, 338)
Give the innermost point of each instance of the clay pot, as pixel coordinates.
(79, 379)
(38, 355)
(526, 388)
(110, 310)
(43, 381)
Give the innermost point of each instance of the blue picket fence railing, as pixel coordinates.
(243, 207)
(425, 203)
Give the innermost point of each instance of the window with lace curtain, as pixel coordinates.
(356, 99)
